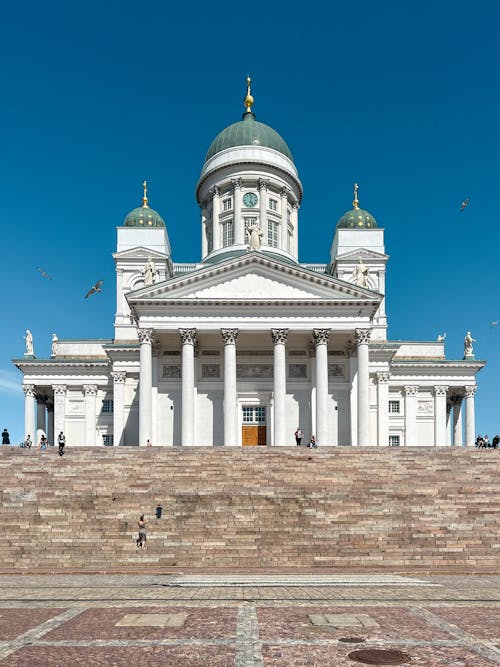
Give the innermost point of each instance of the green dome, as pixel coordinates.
(143, 216)
(248, 132)
(357, 218)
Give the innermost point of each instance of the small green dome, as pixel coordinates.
(248, 132)
(357, 218)
(143, 216)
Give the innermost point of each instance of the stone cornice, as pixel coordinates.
(60, 363)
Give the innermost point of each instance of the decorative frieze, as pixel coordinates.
(425, 408)
(254, 371)
(229, 336)
(171, 371)
(188, 336)
(335, 370)
(321, 336)
(297, 371)
(279, 335)
(209, 371)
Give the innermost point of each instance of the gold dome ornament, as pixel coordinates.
(355, 203)
(145, 195)
(249, 99)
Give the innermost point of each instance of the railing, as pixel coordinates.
(317, 268)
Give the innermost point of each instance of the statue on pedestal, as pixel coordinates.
(54, 341)
(360, 274)
(150, 273)
(254, 235)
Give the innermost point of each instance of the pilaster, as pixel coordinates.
(440, 439)
(383, 409)
(118, 407)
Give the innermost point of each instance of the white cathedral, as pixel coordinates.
(248, 344)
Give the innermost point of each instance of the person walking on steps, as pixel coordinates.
(141, 540)
(61, 442)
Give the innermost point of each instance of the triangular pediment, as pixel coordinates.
(140, 253)
(253, 277)
(362, 253)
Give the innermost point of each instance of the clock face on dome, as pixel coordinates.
(250, 199)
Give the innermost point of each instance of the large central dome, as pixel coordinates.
(248, 132)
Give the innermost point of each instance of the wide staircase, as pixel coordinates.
(344, 508)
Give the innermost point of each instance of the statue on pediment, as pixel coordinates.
(468, 347)
(254, 235)
(150, 273)
(360, 274)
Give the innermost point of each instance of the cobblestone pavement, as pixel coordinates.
(247, 620)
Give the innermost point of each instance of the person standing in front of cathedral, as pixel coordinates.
(5, 437)
(298, 436)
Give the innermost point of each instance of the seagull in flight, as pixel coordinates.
(95, 289)
(465, 203)
(43, 273)
(494, 324)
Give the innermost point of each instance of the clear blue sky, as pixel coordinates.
(402, 97)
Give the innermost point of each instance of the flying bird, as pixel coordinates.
(441, 337)
(95, 289)
(494, 324)
(465, 203)
(43, 273)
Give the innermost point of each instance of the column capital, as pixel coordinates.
(188, 336)
(229, 336)
(118, 377)
(383, 377)
(59, 389)
(214, 191)
(411, 389)
(321, 336)
(29, 390)
(284, 192)
(90, 389)
(440, 390)
(362, 336)
(469, 392)
(279, 335)
(236, 183)
(263, 184)
(145, 336)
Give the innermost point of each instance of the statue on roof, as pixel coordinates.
(150, 273)
(29, 343)
(254, 235)
(360, 274)
(468, 347)
(54, 341)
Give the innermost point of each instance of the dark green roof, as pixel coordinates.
(143, 216)
(357, 218)
(248, 132)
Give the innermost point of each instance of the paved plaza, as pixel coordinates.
(248, 620)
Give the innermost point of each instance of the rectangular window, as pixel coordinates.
(227, 204)
(254, 414)
(394, 441)
(227, 233)
(272, 233)
(107, 405)
(273, 205)
(107, 440)
(394, 407)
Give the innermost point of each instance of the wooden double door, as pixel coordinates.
(253, 429)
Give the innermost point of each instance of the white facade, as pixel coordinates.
(247, 344)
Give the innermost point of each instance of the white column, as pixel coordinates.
(118, 407)
(411, 392)
(60, 409)
(470, 418)
(188, 338)
(238, 225)
(320, 337)
(50, 423)
(40, 415)
(457, 421)
(448, 425)
(383, 409)
(90, 391)
(204, 243)
(284, 218)
(29, 411)
(216, 228)
(145, 386)
(230, 336)
(263, 205)
(353, 399)
(440, 416)
(313, 390)
(362, 336)
(294, 241)
(279, 339)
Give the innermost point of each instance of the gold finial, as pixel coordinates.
(355, 203)
(145, 195)
(248, 98)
